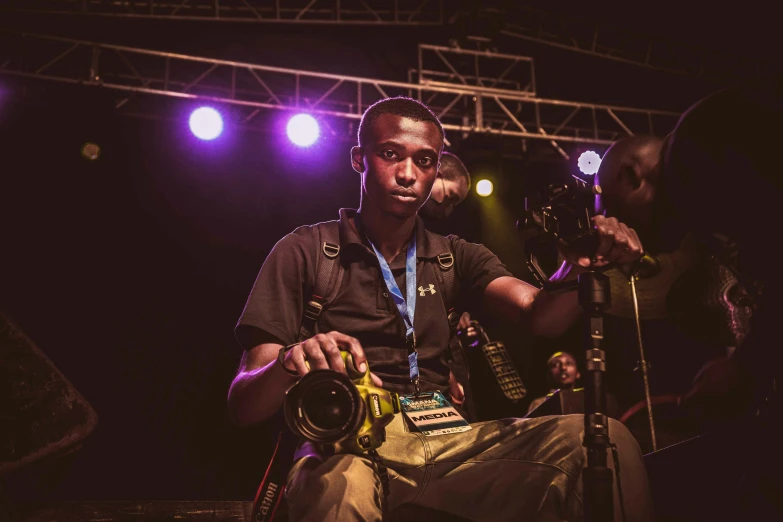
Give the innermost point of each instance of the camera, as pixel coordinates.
(558, 212)
(346, 411)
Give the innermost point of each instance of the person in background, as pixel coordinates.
(450, 189)
(563, 374)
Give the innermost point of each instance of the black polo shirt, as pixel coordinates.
(363, 307)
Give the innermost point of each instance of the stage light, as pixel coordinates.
(206, 123)
(484, 187)
(589, 162)
(303, 130)
(91, 151)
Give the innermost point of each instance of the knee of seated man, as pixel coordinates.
(345, 480)
(561, 446)
(572, 428)
(569, 433)
(624, 439)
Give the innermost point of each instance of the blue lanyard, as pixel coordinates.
(407, 305)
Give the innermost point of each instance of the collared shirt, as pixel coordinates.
(362, 307)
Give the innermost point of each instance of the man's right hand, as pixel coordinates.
(322, 352)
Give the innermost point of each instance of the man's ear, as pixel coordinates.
(578, 375)
(357, 159)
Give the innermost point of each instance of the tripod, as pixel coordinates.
(594, 299)
(594, 296)
(565, 213)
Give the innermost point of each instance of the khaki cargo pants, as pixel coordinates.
(511, 469)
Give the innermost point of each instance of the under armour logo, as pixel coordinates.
(423, 290)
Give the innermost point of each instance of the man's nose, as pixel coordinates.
(406, 172)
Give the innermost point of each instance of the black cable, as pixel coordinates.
(616, 458)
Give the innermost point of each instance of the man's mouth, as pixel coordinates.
(404, 196)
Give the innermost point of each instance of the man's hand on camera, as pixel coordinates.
(322, 352)
(617, 243)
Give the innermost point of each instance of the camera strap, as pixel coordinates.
(383, 474)
(272, 488)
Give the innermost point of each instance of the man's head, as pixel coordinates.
(450, 189)
(721, 174)
(562, 370)
(628, 177)
(400, 142)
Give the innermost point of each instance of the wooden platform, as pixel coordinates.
(147, 511)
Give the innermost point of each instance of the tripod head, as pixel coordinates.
(558, 213)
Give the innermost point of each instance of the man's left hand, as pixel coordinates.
(456, 390)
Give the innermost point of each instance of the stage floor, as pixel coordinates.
(124, 511)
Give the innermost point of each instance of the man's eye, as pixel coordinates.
(388, 154)
(426, 162)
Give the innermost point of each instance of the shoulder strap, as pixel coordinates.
(328, 275)
(446, 275)
(447, 278)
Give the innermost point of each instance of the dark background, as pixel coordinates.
(130, 272)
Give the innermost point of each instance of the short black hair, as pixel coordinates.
(452, 168)
(399, 106)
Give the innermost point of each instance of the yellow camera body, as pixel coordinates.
(380, 406)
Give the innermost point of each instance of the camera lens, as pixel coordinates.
(324, 406)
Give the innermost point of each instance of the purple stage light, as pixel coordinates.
(206, 123)
(303, 130)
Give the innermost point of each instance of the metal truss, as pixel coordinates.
(369, 12)
(447, 66)
(529, 23)
(621, 46)
(253, 92)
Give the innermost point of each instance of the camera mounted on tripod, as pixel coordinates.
(564, 213)
(347, 412)
(558, 212)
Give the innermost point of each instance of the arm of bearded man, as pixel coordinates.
(550, 314)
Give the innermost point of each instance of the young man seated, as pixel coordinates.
(511, 469)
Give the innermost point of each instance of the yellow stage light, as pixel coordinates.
(484, 187)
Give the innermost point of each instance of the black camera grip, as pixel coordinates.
(583, 244)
